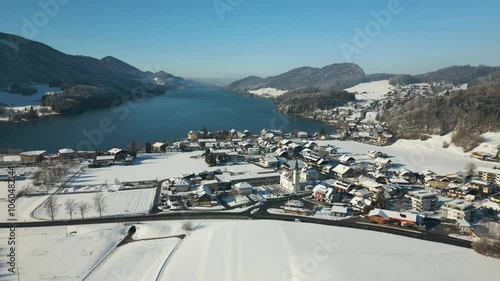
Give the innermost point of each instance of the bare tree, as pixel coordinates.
(470, 168)
(51, 207)
(99, 203)
(83, 207)
(70, 206)
(187, 226)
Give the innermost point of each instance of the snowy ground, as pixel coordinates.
(24, 205)
(243, 250)
(271, 250)
(374, 90)
(268, 92)
(371, 117)
(417, 155)
(491, 142)
(155, 166)
(137, 261)
(47, 254)
(129, 202)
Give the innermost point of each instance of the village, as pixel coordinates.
(360, 120)
(269, 172)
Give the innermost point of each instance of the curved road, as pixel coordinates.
(262, 214)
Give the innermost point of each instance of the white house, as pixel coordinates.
(423, 201)
(308, 174)
(343, 171)
(457, 210)
(243, 188)
(347, 160)
(375, 154)
(339, 211)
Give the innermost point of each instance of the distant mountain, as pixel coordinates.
(87, 81)
(335, 76)
(454, 75)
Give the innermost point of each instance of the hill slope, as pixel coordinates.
(337, 76)
(467, 112)
(98, 82)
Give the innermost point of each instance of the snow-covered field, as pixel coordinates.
(240, 250)
(271, 250)
(374, 90)
(129, 202)
(24, 205)
(268, 92)
(154, 166)
(137, 261)
(47, 254)
(417, 155)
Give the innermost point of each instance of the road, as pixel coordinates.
(261, 214)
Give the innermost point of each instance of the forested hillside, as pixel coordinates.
(467, 112)
(308, 99)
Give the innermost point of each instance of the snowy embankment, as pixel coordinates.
(138, 261)
(296, 251)
(155, 166)
(374, 90)
(48, 254)
(126, 202)
(268, 92)
(417, 155)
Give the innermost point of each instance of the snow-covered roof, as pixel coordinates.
(158, 144)
(66, 151)
(341, 169)
(243, 185)
(33, 153)
(115, 150)
(339, 209)
(393, 215)
(320, 188)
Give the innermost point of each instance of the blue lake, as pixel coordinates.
(168, 117)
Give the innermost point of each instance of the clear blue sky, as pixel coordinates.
(266, 37)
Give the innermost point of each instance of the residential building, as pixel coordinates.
(319, 192)
(457, 191)
(457, 210)
(486, 187)
(339, 211)
(343, 171)
(159, 147)
(32, 156)
(375, 154)
(423, 201)
(309, 174)
(67, 153)
(118, 153)
(359, 203)
(347, 160)
(105, 160)
(489, 175)
(243, 188)
(385, 216)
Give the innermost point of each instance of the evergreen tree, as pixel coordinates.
(132, 149)
(147, 148)
(322, 131)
